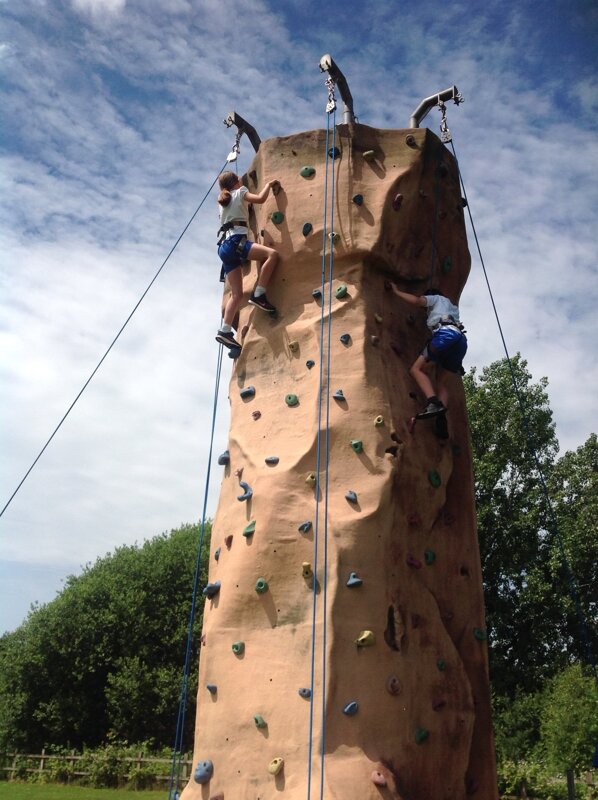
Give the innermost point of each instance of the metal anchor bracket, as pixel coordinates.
(336, 77)
(243, 127)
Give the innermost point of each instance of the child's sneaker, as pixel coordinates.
(431, 410)
(227, 338)
(262, 302)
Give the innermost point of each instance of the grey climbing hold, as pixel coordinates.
(307, 228)
(334, 152)
(211, 589)
(203, 772)
(354, 580)
(345, 338)
(212, 688)
(338, 395)
(247, 491)
(351, 496)
(317, 293)
(238, 648)
(260, 722)
(305, 527)
(410, 140)
(307, 172)
(341, 291)
(273, 460)
(305, 692)
(217, 552)
(249, 529)
(277, 217)
(291, 400)
(357, 445)
(224, 459)
(248, 391)
(261, 586)
(357, 199)
(351, 708)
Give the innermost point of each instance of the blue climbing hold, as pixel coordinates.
(354, 580)
(212, 589)
(272, 460)
(334, 152)
(247, 491)
(224, 459)
(305, 692)
(357, 199)
(212, 688)
(248, 391)
(351, 708)
(310, 363)
(217, 552)
(345, 338)
(305, 527)
(351, 496)
(316, 293)
(357, 445)
(307, 229)
(338, 395)
(203, 772)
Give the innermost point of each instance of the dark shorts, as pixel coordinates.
(231, 255)
(447, 348)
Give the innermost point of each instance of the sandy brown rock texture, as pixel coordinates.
(417, 685)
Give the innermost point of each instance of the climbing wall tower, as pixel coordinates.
(344, 653)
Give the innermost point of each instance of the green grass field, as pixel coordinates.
(41, 791)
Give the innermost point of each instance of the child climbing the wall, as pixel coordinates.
(445, 349)
(234, 248)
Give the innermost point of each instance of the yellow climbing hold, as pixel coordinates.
(378, 318)
(379, 420)
(369, 155)
(293, 347)
(306, 570)
(365, 639)
(311, 479)
(275, 766)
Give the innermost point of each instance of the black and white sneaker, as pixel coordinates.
(431, 410)
(262, 302)
(227, 338)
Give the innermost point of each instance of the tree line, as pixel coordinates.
(103, 661)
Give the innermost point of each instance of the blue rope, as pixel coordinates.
(572, 583)
(177, 753)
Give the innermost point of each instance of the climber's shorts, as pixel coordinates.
(447, 348)
(232, 253)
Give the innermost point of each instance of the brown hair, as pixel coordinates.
(226, 181)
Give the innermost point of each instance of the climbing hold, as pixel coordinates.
(334, 152)
(293, 346)
(272, 460)
(234, 352)
(397, 201)
(438, 703)
(307, 172)
(354, 580)
(249, 529)
(335, 237)
(442, 169)
(480, 634)
(224, 458)
(212, 688)
(238, 648)
(357, 445)
(277, 217)
(369, 155)
(410, 319)
(464, 202)
(291, 400)
(228, 540)
(414, 519)
(375, 340)
(429, 557)
(341, 291)
(261, 586)
(441, 664)
(305, 692)
(357, 199)
(311, 479)
(203, 772)
(393, 685)
(316, 293)
(307, 229)
(410, 140)
(338, 395)
(421, 734)
(310, 363)
(305, 527)
(351, 708)
(248, 391)
(379, 420)
(345, 338)
(217, 552)
(275, 766)
(351, 496)
(378, 778)
(446, 264)
(415, 620)
(434, 478)
(256, 414)
(306, 570)
(365, 639)
(378, 318)
(448, 518)
(211, 589)
(276, 188)
(247, 491)
(413, 562)
(260, 722)
(411, 426)
(471, 786)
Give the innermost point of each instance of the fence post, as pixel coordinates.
(14, 765)
(570, 784)
(42, 761)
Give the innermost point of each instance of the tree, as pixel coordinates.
(106, 655)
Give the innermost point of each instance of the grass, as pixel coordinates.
(53, 791)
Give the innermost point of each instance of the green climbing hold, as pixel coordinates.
(446, 264)
(307, 228)
(291, 400)
(307, 172)
(260, 722)
(421, 734)
(434, 478)
(357, 445)
(249, 529)
(261, 585)
(429, 557)
(340, 291)
(441, 664)
(238, 648)
(277, 217)
(369, 155)
(480, 634)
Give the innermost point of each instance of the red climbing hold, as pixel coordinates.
(413, 562)
(411, 425)
(414, 518)
(228, 540)
(438, 703)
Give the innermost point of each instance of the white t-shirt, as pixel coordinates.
(440, 307)
(237, 209)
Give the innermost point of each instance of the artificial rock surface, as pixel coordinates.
(421, 728)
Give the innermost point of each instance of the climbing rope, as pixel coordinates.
(124, 325)
(572, 583)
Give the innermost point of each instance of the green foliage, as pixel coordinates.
(105, 658)
(535, 780)
(516, 725)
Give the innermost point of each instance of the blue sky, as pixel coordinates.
(112, 132)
